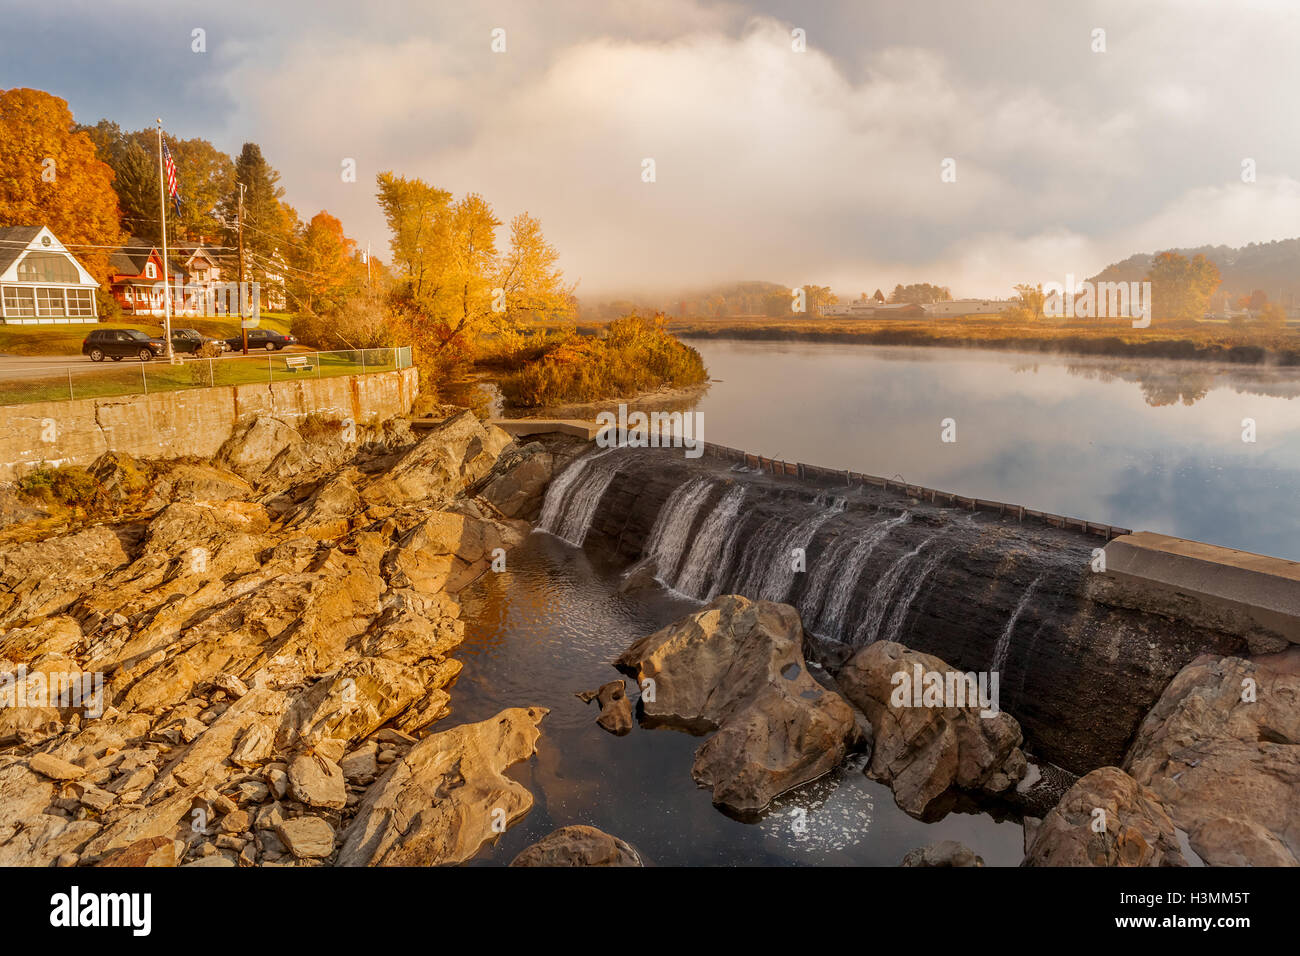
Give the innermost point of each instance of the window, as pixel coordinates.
(135, 335)
(50, 302)
(19, 301)
(81, 302)
(47, 267)
(150, 271)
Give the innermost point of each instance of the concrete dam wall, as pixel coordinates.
(985, 591)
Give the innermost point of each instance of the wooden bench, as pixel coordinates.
(295, 363)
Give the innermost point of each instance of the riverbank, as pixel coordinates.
(1097, 337)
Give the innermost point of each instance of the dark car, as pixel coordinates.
(118, 344)
(261, 339)
(191, 340)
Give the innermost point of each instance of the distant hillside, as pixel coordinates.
(1271, 266)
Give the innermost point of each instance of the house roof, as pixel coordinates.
(14, 241)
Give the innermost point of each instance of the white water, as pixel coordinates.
(779, 575)
(1003, 646)
(702, 560)
(571, 500)
(833, 607)
(894, 630)
(672, 528)
(882, 593)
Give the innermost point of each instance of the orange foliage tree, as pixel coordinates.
(50, 176)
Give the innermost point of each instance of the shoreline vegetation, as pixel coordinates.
(631, 356)
(1202, 341)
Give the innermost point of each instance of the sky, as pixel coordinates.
(816, 165)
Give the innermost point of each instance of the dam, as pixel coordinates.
(1085, 623)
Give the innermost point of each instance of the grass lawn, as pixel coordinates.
(132, 377)
(67, 339)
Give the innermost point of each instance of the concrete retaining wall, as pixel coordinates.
(188, 422)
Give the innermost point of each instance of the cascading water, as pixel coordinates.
(1003, 646)
(778, 576)
(702, 561)
(826, 607)
(571, 500)
(894, 630)
(882, 595)
(673, 525)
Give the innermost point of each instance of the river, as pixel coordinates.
(1153, 446)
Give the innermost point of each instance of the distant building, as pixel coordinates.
(871, 309)
(135, 273)
(968, 307)
(41, 282)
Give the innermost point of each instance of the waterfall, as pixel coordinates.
(819, 582)
(673, 526)
(825, 606)
(883, 593)
(571, 500)
(702, 561)
(778, 577)
(894, 631)
(1003, 646)
(725, 561)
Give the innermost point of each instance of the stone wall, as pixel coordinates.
(187, 422)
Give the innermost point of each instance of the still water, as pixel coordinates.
(548, 628)
(1153, 445)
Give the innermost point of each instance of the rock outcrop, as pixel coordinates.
(1221, 749)
(447, 796)
(578, 846)
(942, 854)
(1106, 819)
(232, 668)
(738, 666)
(926, 752)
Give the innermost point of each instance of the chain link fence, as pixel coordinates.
(52, 383)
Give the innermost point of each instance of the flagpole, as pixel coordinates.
(162, 213)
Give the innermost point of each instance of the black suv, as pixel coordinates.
(118, 344)
(191, 340)
(261, 339)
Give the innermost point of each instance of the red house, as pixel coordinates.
(137, 271)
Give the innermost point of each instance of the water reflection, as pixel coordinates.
(1154, 445)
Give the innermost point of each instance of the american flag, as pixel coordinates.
(170, 167)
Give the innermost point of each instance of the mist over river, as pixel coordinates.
(1153, 445)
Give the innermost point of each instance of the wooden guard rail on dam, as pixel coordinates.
(590, 430)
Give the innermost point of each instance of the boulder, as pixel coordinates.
(118, 476)
(447, 796)
(307, 837)
(451, 455)
(1221, 749)
(252, 447)
(53, 767)
(615, 707)
(927, 752)
(943, 853)
(317, 782)
(1106, 819)
(518, 482)
(578, 846)
(738, 666)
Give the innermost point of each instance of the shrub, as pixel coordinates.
(634, 355)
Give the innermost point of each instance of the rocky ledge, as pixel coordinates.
(270, 638)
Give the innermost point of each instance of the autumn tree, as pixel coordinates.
(1029, 302)
(419, 223)
(324, 267)
(920, 293)
(817, 297)
(879, 297)
(533, 287)
(51, 176)
(1181, 288)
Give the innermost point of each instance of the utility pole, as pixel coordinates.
(243, 329)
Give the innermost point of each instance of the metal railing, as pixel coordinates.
(130, 376)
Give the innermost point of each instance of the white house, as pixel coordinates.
(968, 307)
(41, 282)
